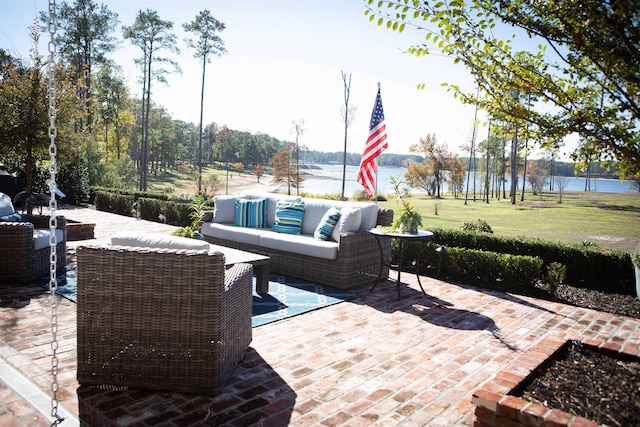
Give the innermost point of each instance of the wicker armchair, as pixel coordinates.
(20, 261)
(163, 319)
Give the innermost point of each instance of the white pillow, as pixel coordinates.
(225, 209)
(350, 219)
(6, 207)
(155, 240)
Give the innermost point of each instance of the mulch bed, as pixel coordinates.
(588, 382)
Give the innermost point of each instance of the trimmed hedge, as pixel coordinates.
(473, 266)
(586, 266)
(115, 203)
(136, 194)
(164, 211)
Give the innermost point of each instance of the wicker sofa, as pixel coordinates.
(25, 253)
(350, 258)
(164, 319)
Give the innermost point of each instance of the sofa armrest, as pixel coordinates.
(385, 217)
(13, 231)
(207, 216)
(352, 244)
(237, 297)
(42, 221)
(238, 276)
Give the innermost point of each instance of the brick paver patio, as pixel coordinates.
(372, 361)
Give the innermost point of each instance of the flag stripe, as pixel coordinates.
(375, 145)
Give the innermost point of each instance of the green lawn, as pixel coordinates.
(612, 220)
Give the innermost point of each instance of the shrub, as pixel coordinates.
(587, 266)
(115, 203)
(164, 211)
(556, 273)
(475, 266)
(479, 226)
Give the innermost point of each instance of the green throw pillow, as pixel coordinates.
(327, 224)
(251, 213)
(288, 217)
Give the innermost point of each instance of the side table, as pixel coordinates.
(420, 236)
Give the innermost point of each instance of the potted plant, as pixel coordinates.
(192, 231)
(635, 259)
(409, 220)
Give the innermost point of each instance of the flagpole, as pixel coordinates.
(375, 193)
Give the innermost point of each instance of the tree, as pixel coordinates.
(24, 118)
(348, 112)
(584, 69)
(112, 95)
(537, 179)
(151, 34)
(298, 128)
(419, 176)
(208, 43)
(456, 176)
(436, 159)
(258, 172)
(284, 169)
(84, 38)
(561, 184)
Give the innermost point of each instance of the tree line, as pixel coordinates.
(108, 136)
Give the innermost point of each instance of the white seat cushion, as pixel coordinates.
(249, 236)
(41, 237)
(300, 244)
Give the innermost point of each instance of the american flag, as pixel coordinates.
(376, 144)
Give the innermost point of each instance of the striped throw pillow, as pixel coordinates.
(251, 213)
(288, 217)
(327, 224)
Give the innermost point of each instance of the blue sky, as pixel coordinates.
(284, 63)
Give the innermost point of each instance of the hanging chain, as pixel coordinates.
(53, 222)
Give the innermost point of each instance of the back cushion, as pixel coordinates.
(156, 240)
(6, 207)
(316, 208)
(225, 209)
(289, 217)
(272, 200)
(251, 213)
(350, 220)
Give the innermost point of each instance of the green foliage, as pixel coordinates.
(116, 203)
(584, 65)
(73, 180)
(135, 193)
(478, 266)
(185, 232)
(479, 226)
(556, 274)
(588, 267)
(409, 219)
(164, 211)
(197, 210)
(635, 256)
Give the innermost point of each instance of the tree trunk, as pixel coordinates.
(204, 67)
(514, 167)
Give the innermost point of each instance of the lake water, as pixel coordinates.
(328, 180)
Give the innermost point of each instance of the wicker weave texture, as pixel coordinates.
(160, 319)
(19, 262)
(358, 260)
